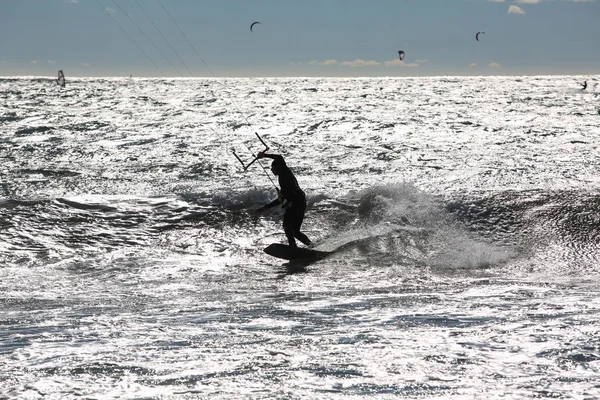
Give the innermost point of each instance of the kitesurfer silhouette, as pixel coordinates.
(291, 197)
(584, 86)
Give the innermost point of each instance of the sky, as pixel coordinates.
(345, 38)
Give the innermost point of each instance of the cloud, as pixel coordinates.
(539, 1)
(74, 1)
(515, 10)
(422, 61)
(473, 65)
(85, 64)
(33, 62)
(110, 10)
(326, 62)
(360, 63)
(495, 65)
(398, 63)
(51, 62)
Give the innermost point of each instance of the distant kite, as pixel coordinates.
(401, 55)
(254, 23)
(477, 35)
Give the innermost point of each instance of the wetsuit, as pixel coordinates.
(293, 200)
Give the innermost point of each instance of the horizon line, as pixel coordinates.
(51, 77)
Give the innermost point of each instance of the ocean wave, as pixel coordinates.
(398, 223)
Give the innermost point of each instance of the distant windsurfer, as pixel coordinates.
(60, 80)
(291, 197)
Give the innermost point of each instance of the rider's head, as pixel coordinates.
(277, 165)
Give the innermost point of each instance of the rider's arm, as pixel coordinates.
(272, 156)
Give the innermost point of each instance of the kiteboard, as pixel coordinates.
(294, 253)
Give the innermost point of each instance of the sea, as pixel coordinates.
(462, 215)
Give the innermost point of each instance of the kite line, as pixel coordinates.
(189, 42)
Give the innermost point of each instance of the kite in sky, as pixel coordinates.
(254, 23)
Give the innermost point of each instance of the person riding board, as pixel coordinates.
(291, 197)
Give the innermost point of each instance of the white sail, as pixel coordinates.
(61, 78)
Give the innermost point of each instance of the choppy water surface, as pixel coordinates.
(465, 215)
